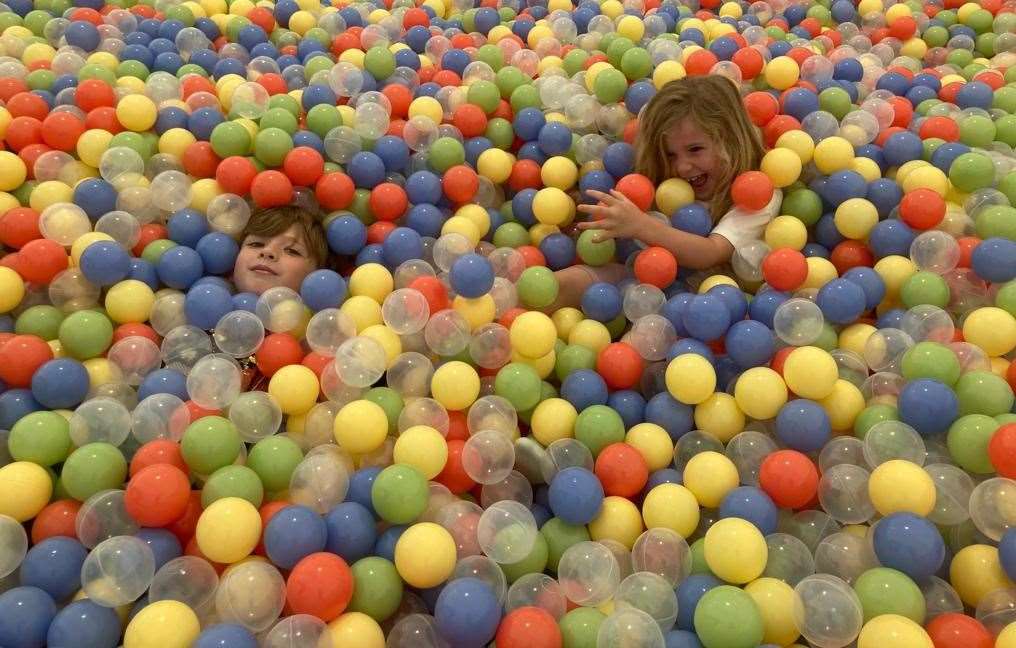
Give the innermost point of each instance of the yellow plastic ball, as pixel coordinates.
(799, 142)
(820, 272)
(710, 476)
(671, 506)
(867, 167)
(1007, 638)
(425, 555)
(364, 311)
(631, 27)
(228, 530)
(775, 602)
(175, 141)
(301, 22)
(12, 289)
(477, 215)
(552, 206)
(360, 426)
(716, 280)
(387, 338)
(783, 166)
(533, 334)
(25, 489)
(495, 165)
(295, 388)
(543, 365)
(455, 385)
(672, 194)
(735, 550)
(899, 485)
(202, 192)
(619, 520)
(478, 311)
(855, 217)
(843, 405)
(993, 329)
(810, 372)
(49, 192)
(553, 419)
(894, 270)
(129, 301)
(136, 112)
(782, 72)
(914, 48)
(786, 232)
(422, 447)
(162, 624)
(854, 337)
(463, 226)
(101, 372)
(538, 33)
(893, 629)
(371, 280)
(666, 72)
(690, 378)
(590, 334)
(559, 172)
(760, 393)
(975, 571)
(12, 171)
(653, 443)
(5, 121)
(565, 320)
(427, 107)
(833, 154)
(356, 630)
(720, 416)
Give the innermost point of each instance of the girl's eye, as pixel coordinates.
(294, 252)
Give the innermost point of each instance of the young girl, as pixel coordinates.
(695, 129)
(280, 247)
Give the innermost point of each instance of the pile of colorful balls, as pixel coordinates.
(818, 449)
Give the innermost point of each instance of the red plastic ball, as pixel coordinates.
(525, 174)
(414, 17)
(528, 627)
(784, 269)
(762, 107)
(700, 62)
(158, 451)
(20, 355)
(303, 165)
(56, 519)
(1002, 449)
(18, 226)
(622, 470)
(149, 232)
(656, 266)
(433, 291)
(157, 495)
(196, 412)
(273, 83)
(200, 160)
(955, 630)
(470, 119)
(388, 201)
(922, 209)
(400, 97)
(235, 174)
(28, 104)
(48, 260)
(316, 362)
(458, 426)
(94, 93)
(320, 584)
(940, 127)
(777, 126)
(31, 154)
(789, 477)
(378, 231)
(277, 351)
(23, 131)
(620, 365)
(750, 61)
(453, 475)
(104, 118)
(61, 130)
(263, 18)
(638, 189)
(967, 245)
(334, 191)
(752, 190)
(851, 254)
(10, 86)
(460, 183)
(271, 189)
(135, 329)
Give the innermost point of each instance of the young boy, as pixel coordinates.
(280, 247)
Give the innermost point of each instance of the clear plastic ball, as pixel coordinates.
(490, 346)
(405, 311)
(953, 490)
(328, 329)
(256, 415)
(102, 420)
(13, 544)
(189, 579)
(789, 558)
(827, 611)
(280, 309)
(415, 631)
(514, 487)
(171, 190)
(342, 143)
(447, 333)
(64, 223)
(843, 493)
(662, 552)
(798, 321)
(810, 526)
(588, 573)
(484, 569)
(889, 440)
(409, 271)
(652, 336)
(299, 631)
(123, 227)
(117, 571)
(360, 361)
(420, 133)
(928, 323)
(121, 166)
(55, 165)
(693, 443)
(748, 450)
(103, 516)
(940, 598)
(570, 453)
(883, 386)
(629, 626)
(424, 411)
(136, 357)
(493, 413)
(239, 333)
(319, 481)
(641, 300)
(820, 125)
(993, 506)
(448, 248)
(506, 532)
(859, 127)
(184, 346)
(251, 593)
(168, 311)
(159, 416)
(537, 590)
(371, 120)
(747, 261)
(410, 375)
(488, 456)
(650, 593)
(885, 347)
(460, 519)
(70, 291)
(249, 100)
(841, 450)
(228, 213)
(845, 555)
(214, 382)
(935, 251)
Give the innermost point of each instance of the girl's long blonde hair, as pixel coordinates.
(715, 105)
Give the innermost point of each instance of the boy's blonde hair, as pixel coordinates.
(276, 220)
(715, 105)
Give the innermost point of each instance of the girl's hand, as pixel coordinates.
(616, 217)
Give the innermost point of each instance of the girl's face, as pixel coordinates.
(694, 157)
(282, 260)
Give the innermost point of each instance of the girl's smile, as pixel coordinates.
(694, 158)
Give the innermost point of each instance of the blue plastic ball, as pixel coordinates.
(84, 624)
(60, 383)
(689, 593)
(576, 495)
(472, 275)
(751, 504)
(672, 415)
(909, 543)
(206, 303)
(707, 318)
(352, 531)
(346, 235)
(803, 425)
(583, 388)
(164, 545)
(54, 566)
(467, 612)
(1007, 552)
(225, 635)
(218, 252)
(601, 302)
(994, 260)
(292, 534)
(842, 301)
(25, 617)
(179, 267)
(750, 344)
(928, 406)
(105, 262)
(323, 289)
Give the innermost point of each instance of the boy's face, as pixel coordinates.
(694, 157)
(270, 262)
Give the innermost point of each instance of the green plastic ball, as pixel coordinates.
(273, 460)
(931, 360)
(92, 468)
(982, 392)
(559, 536)
(40, 437)
(85, 334)
(230, 138)
(972, 171)
(925, 288)
(233, 481)
(377, 588)
(968, 440)
(42, 321)
(520, 384)
(445, 153)
(888, 591)
(727, 616)
(537, 287)
(598, 426)
(210, 443)
(391, 402)
(573, 358)
(380, 62)
(580, 627)
(593, 253)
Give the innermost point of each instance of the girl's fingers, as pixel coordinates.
(599, 195)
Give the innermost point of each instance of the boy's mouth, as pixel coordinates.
(263, 269)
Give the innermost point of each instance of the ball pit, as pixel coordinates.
(411, 446)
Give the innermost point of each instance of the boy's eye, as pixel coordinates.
(254, 244)
(294, 251)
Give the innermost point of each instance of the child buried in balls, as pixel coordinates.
(697, 130)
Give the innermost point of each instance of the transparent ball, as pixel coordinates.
(845, 555)
(506, 532)
(415, 631)
(885, 347)
(484, 569)
(103, 516)
(124, 228)
(319, 481)
(888, 440)
(789, 558)
(490, 346)
(935, 251)
(492, 413)
(926, 322)
(410, 375)
(940, 598)
(630, 626)
(168, 311)
(843, 493)
(249, 100)
(159, 416)
(953, 490)
(70, 291)
(488, 456)
(748, 450)
(256, 415)
(447, 333)
(13, 545)
(827, 611)
(650, 593)
(117, 571)
(841, 450)
(171, 190)
(228, 213)
(993, 506)
(214, 382)
(652, 336)
(299, 631)
(281, 309)
(405, 311)
(537, 590)
(184, 346)
(136, 357)
(424, 411)
(641, 300)
(64, 223)
(360, 361)
(662, 552)
(798, 321)
(328, 329)
(251, 593)
(514, 487)
(103, 420)
(589, 574)
(240, 333)
(189, 579)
